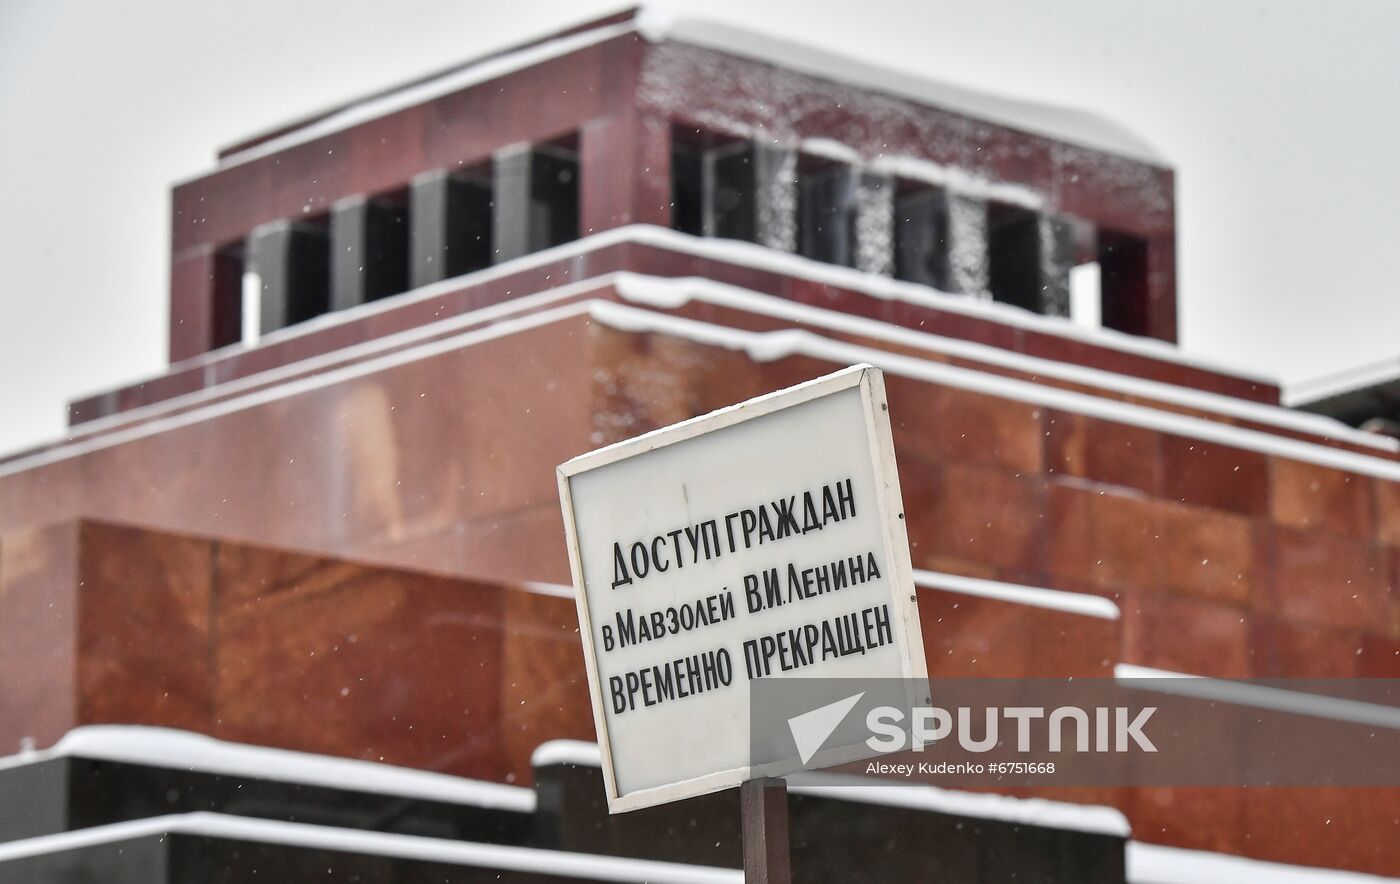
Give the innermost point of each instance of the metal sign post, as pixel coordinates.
(764, 815)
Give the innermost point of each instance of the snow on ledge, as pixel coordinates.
(1258, 696)
(674, 292)
(1319, 389)
(539, 587)
(423, 342)
(1158, 864)
(958, 180)
(658, 24)
(770, 346)
(1095, 819)
(1020, 594)
(183, 750)
(830, 149)
(886, 288)
(568, 864)
(576, 752)
(412, 345)
(1089, 818)
(419, 93)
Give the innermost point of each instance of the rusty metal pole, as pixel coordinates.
(764, 815)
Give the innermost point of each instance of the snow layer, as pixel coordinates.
(842, 787)
(499, 320)
(660, 25)
(182, 750)
(958, 181)
(427, 90)
(969, 264)
(874, 224)
(576, 752)
(769, 346)
(360, 841)
(1072, 126)
(673, 292)
(261, 395)
(1258, 696)
(885, 288)
(1094, 819)
(557, 590)
(747, 255)
(1035, 596)
(830, 149)
(1317, 389)
(1157, 864)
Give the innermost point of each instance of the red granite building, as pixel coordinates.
(332, 527)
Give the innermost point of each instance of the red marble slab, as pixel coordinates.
(1205, 553)
(1198, 818)
(39, 659)
(1331, 579)
(1213, 475)
(1282, 649)
(1103, 451)
(1304, 495)
(1185, 635)
(144, 627)
(946, 424)
(975, 520)
(1387, 508)
(1100, 542)
(1353, 828)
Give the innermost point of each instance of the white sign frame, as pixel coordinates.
(889, 506)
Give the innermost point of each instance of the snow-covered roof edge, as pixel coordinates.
(656, 25)
(183, 750)
(1082, 604)
(1160, 864)
(1098, 819)
(426, 848)
(1349, 380)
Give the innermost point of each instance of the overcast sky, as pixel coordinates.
(1280, 118)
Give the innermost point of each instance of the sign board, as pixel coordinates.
(764, 540)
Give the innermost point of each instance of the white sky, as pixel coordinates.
(1280, 118)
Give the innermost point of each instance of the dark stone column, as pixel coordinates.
(292, 262)
(449, 224)
(536, 199)
(512, 210)
(369, 249)
(427, 221)
(349, 220)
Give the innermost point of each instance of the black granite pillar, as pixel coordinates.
(292, 262)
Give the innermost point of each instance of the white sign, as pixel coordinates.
(764, 540)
